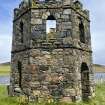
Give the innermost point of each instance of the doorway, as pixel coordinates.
(85, 81)
(20, 73)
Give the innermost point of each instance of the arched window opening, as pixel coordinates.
(51, 17)
(84, 67)
(82, 32)
(21, 31)
(51, 25)
(20, 73)
(85, 81)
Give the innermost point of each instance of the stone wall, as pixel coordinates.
(54, 73)
(59, 67)
(17, 45)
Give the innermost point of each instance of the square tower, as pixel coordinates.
(54, 62)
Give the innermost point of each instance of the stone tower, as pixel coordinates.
(56, 64)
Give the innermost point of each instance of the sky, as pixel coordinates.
(97, 15)
(50, 24)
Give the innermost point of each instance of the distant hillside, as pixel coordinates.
(6, 63)
(5, 68)
(99, 68)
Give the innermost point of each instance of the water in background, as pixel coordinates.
(4, 80)
(99, 77)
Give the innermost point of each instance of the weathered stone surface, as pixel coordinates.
(56, 65)
(67, 11)
(66, 2)
(66, 25)
(66, 99)
(36, 21)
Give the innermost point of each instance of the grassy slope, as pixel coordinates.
(98, 100)
(4, 69)
(99, 68)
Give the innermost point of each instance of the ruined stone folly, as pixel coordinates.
(53, 62)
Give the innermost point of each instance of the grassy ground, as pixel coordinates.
(98, 100)
(4, 99)
(4, 69)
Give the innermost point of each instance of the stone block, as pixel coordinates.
(36, 21)
(10, 90)
(66, 99)
(66, 25)
(66, 2)
(67, 11)
(35, 84)
(57, 15)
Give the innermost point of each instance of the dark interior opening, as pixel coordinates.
(20, 73)
(21, 31)
(82, 32)
(85, 82)
(51, 26)
(51, 17)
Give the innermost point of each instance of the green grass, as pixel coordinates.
(100, 95)
(98, 100)
(4, 69)
(4, 99)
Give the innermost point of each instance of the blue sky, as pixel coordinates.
(6, 14)
(97, 13)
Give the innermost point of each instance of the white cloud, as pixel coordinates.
(1, 43)
(5, 48)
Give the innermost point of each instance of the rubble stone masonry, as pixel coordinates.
(59, 66)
